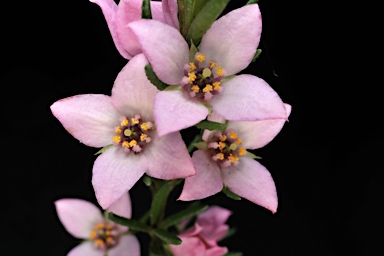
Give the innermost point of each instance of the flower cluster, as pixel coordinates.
(138, 126)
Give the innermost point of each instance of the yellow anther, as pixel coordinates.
(206, 73)
(125, 144)
(132, 143)
(200, 57)
(238, 141)
(233, 159)
(242, 151)
(118, 130)
(108, 233)
(208, 88)
(127, 132)
(223, 137)
(108, 226)
(212, 64)
(195, 88)
(143, 136)
(220, 156)
(134, 120)
(233, 135)
(99, 242)
(233, 146)
(192, 66)
(109, 239)
(116, 139)
(222, 145)
(125, 122)
(144, 126)
(93, 235)
(216, 86)
(220, 71)
(191, 77)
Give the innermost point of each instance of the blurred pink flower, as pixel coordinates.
(124, 121)
(202, 238)
(84, 220)
(226, 48)
(225, 162)
(118, 16)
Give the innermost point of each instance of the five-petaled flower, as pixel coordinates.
(224, 161)
(118, 16)
(125, 121)
(84, 220)
(226, 48)
(202, 238)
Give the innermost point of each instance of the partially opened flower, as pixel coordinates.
(124, 121)
(224, 161)
(119, 15)
(202, 238)
(227, 48)
(101, 237)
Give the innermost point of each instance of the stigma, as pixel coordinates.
(133, 134)
(202, 79)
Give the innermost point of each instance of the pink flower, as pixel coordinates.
(125, 122)
(84, 220)
(118, 16)
(225, 161)
(202, 238)
(227, 48)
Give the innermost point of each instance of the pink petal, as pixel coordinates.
(109, 9)
(90, 118)
(128, 246)
(132, 93)
(114, 173)
(248, 98)
(175, 110)
(157, 11)
(206, 182)
(168, 157)
(192, 245)
(216, 251)
(213, 221)
(122, 206)
(170, 10)
(164, 47)
(251, 180)
(257, 134)
(85, 248)
(78, 216)
(232, 40)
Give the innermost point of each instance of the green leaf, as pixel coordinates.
(230, 233)
(230, 194)
(166, 236)
(234, 254)
(204, 19)
(159, 201)
(192, 52)
(201, 145)
(175, 218)
(186, 14)
(251, 155)
(252, 2)
(147, 180)
(104, 149)
(257, 54)
(227, 78)
(132, 224)
(146, 9)
(212, 126)
(153, 78)
(173, 88)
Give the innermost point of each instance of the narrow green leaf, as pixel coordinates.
(186, 15)
(147, 180)
(227, 78)
(212, 126)
(103, 149)
(204, 19)
(234, 254)
(146, 12)
(154, 79)
(201, 145)
(257, 54)
(173, 87)
(159, 201)
(251, 155)
(252, 2)
(132, 224)
(166, 236)
(230, 233)
(181, 215)
(230, 194)
(192, 52)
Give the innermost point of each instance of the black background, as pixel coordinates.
(326, 162)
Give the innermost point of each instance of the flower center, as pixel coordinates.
(225, 147)
(133, 134)
(202, 80)
(104, 236)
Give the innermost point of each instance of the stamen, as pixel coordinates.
(222, 145)
(233, 135)
(223, 137)
(125, 144)
(143, 136)
(212, 64)
(134, 120)
(191, 77)
(192, 66)
(118, 130)
(238, 141)
(125, 122)
(132, 143)
(220, 71)
(233, 159)
(116, 139)
(144, 126)
(93, 235)
(208, 88)
(200, 57)
(220, 156)
(242, 151)
(195, 88)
